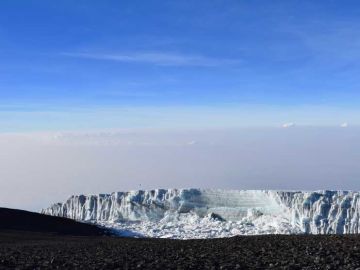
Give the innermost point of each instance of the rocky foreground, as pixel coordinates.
(31, 250)
(34, 241)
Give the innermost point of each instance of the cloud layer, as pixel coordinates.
(37, 169)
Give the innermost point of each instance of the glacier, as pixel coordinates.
(211, 213)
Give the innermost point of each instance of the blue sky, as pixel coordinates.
(99, 66)
(123, 64)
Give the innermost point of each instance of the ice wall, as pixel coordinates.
(312, 212)
(323, 212)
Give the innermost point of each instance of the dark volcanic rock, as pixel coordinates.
(34, 241)
(44, 251)
(13, 219)
(217, 217)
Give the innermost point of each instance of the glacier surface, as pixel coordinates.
(210, 213)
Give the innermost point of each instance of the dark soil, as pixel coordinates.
(14, 219)
(33, 241)
(29, 250)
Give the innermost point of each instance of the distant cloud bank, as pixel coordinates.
(288, 125)
(37, 169)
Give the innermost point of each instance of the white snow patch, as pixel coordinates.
(191, 226)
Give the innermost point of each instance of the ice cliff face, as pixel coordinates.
(323, 212)
(233, 211)
(153, 205)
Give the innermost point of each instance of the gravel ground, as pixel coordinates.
(29, 250)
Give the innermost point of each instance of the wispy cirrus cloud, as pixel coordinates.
(158, 58)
